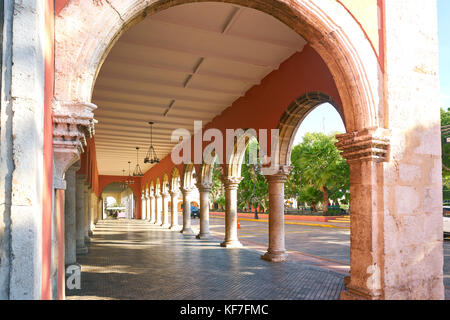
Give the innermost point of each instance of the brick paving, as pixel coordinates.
(132, 259)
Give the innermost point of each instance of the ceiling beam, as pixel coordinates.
(124, 62)
(234, 16)
(197, 52)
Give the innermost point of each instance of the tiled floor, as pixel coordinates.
(131, 259)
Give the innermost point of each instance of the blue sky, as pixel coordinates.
(444, 50)
(326, 119)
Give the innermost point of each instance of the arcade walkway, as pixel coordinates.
(132, 259)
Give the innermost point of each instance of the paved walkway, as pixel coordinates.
(132, 259)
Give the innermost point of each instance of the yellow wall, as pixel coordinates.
(366, 12)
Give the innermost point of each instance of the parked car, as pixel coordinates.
(195, 213)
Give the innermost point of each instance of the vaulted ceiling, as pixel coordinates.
(186, 63)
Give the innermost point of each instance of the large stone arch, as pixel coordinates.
(175, 180)
(86, 31)
(293, 117)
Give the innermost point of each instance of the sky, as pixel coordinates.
(326, 119)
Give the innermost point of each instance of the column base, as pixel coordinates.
(82, 250)
(231, 244)
(187, 231)
(152, 221)
(204, 236)
(158, 223)
(275, 256)
(176, 228)
(352, 293)
(165, 225)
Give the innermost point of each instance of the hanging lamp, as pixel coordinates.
(151, 156)
(123, 185)
(137, 171)
(130, 180)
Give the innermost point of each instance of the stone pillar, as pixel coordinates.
(70, 213)
(87, 212)
(165, 205)
(187, 229)
(143, 208)
(365, 152)
(231, 238)
(204, 189)
(148, 207)
(174, 216)
(152, 209)
(276, 251)
(94, 206)
(158, 207)
(80, 215)
(100, 209)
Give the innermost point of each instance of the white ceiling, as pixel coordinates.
(186, 63)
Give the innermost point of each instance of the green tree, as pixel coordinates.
(216, 188)
(253, 189)
(318, 170)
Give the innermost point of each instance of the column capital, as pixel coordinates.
(369, 144)
(231, 182)
(280, 175)
(204, 187)
(187, 190)
(72, 121)
(165, 194)
(175, 193)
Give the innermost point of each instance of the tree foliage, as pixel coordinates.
(253, 189)
(319, 172)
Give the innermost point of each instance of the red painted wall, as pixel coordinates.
(263, 105)
(47, 188)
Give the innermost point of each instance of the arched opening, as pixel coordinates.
(122, 201)
(356, 87)
(318, 184)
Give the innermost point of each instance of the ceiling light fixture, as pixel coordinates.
(137, 171)
(151, 156)
(130, 179)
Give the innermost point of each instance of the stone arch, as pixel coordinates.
(175, 180)
(158, 186)
(165, 187)
(187, 180)
(151, 188)
(293, 117)
(86, 31)
(234, 160)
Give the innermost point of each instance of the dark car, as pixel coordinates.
(195, 213)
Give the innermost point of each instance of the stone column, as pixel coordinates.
(80, 215)
(152, 209)
(158, 207)
(143, 208)
(87, 212)
(148, 207)
(100, 209)
(165, 205)
(204, 189)
(174, 216)
(231, 238)
(276, 251)
(365, 153)
(187, 229)
(70, 213)
(94, 206)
